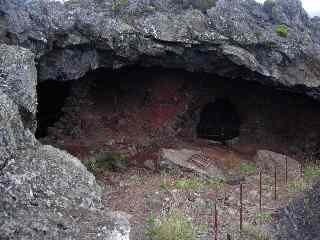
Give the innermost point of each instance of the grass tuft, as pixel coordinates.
(282, 31)
(174, 226)
(297, 185)
(106, 161)
(263, 216)
(248, 168)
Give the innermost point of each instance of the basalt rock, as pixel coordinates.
(45, 193)
(48, 194)
(232, 38)
(300, 220)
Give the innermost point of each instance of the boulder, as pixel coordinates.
(267, 160)
(300, 220)
(45, 193)
(190, 160)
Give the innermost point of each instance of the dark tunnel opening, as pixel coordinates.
(51, 99)
(219, 121)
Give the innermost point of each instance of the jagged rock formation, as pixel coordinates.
(231, 38)
(44, 193)
(300, 220)
(236, 38)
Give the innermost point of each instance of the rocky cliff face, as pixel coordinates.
(46, 193)
(237, 39)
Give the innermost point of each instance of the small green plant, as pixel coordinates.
(165, 184)
(194, 183)
(297, 185)
(202, 228)
(189, 183)
(282, 31)
(215, 183)
(248, 168)
(151, 225)
(254, 232)
(174, 226)
(263, 216)
(117, 5)
(311, 172)
(111, 161)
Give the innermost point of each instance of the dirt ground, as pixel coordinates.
(140, 192)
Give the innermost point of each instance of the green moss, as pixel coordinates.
(282, 31)
(117, 5)
(311, 172)
(189, 184)
(248, 168)
(174, 226)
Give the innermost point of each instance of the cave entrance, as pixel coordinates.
(219, 121)
(51, 99)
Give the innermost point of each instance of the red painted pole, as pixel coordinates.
(215, 222)
(241, 206)
(286, 173)
(260, 191)
(275, 183)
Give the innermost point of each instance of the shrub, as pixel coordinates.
(215, 183)
(311, 172)
(248, 168)
(282, 31)
(189, 184)
(174, 226)
(117, 5)
(194, 183)
(111, 161)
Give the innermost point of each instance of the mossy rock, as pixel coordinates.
(282, 31)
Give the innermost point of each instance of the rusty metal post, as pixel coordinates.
(241, 206)
(275, 183)
(286, 171)
(215, 222)
(260, 191)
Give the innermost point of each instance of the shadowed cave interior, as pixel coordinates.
(219, 121)
(138, 110)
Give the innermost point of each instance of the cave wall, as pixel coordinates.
(135, 109)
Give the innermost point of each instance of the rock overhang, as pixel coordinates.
(235, 39)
